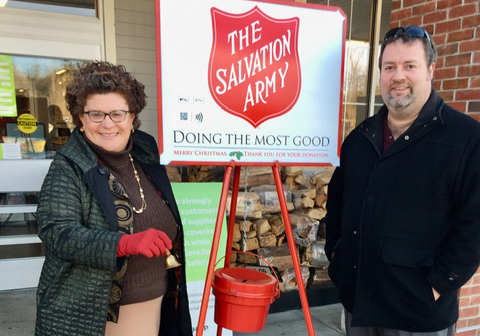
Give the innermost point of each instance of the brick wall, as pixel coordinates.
(469, 321)
(455, 28)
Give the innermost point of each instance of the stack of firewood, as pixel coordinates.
(259, 225)
(311, 185)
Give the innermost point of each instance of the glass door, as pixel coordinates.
(42, 42)
(34, 123)
(21, 251)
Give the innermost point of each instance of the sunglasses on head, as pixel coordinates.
(412, 31)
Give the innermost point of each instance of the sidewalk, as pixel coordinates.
(17, 318)
(326, 322)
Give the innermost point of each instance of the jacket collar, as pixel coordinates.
(78, 150)
(144, 148)
(429, 118)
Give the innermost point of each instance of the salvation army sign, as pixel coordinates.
(254, 71)
(250, 81)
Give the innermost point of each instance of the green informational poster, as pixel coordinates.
(198, 206)
(8, 104)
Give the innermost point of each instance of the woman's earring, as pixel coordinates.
(81, 129)
(133, 130)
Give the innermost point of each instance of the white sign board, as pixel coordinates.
(250, 81)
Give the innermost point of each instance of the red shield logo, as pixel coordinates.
(254, 70)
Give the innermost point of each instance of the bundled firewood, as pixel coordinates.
(289, 279)
(315, 256)
(276, 256)
(246, 258)
(173, 174)
(318, 277)
(264, 232)
(255, 176)
(246, 203)
(309, 191)
(205, 173)
(276, 223)
(304, 198)
(321, 180)
(308, 178)
(258, 203)
(305, 231)
(268, 198)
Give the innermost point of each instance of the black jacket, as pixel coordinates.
(78, 225)
(404, 221)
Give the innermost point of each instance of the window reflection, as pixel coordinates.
(378, 102)
(21, 251)
(356, 84)
(39, 89)
(385, 19)
(356, 71)
(73, 7)
(361, 20)
(354, 114)
(18, 223)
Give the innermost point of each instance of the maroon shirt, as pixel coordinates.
(387, 135)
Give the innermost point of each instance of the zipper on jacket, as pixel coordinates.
(371, 141)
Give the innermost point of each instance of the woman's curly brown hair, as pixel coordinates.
(103, 77)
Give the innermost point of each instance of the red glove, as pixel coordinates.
(149, 243)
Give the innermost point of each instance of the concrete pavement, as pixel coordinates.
(17, 318)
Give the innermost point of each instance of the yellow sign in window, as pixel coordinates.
(27, 123)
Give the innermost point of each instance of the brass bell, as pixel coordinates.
(171, 261)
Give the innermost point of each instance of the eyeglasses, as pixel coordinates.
(412, 31)
(116, 116)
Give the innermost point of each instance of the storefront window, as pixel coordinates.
(355, 84)
(34, 121)
(73, 7)
(360, 15)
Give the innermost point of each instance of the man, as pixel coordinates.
(403, 221)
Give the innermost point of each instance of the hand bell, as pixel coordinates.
(171, 261)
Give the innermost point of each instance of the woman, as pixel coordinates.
(107, 217)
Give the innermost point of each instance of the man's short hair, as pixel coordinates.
(409, 34)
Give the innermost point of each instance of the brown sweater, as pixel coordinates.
(146, 278)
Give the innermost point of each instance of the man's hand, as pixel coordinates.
(435, 294)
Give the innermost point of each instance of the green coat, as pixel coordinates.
(78, 226)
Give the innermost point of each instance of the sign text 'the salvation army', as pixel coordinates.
(255, 63)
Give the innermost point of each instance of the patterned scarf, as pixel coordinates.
(125, 226)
